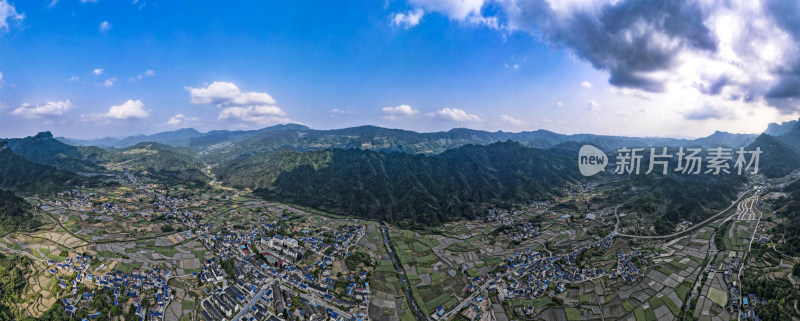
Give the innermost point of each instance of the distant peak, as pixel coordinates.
(775, 129)
(43, 135)
(289, 126)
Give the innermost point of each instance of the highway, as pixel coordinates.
(694, 227)
(747, 209)
(748, 213)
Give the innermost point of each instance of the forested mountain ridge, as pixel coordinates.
(44, 149)
(163, 161)
(414, 190)
(22, 175)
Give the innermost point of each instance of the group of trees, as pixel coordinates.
(787, 232)
(13, 272)
(779, 293)
(228, 266)
(354, 260)
(15, 214)
(722, 233)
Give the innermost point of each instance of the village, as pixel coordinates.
(222, 255)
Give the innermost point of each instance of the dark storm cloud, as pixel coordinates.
(628, 39)
(786, 14)
(715, 87)
(785, 92)
(787, 87)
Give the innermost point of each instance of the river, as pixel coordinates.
(402, 276)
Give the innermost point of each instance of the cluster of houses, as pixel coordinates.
(626, 268)
(531, 273)
(337, 244)
(138, 287)
(76, 199)
(504, 217)
(264, 267)
(521, 231)
(749, 304)
(479, 309)
(256, 289)
(728, 267)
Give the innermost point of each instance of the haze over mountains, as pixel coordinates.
(301, 137)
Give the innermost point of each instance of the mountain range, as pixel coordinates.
(223, 145)
(387, 174)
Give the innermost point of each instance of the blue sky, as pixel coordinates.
(88, 69)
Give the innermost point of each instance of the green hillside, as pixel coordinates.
(161, 161)
(22, 175)
(414, 190)
(15, 214)
(44, 149)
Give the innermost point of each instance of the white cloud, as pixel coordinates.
(131, 109)
(409, 19)
(489, 22)
(105, 26)
(85, 1)
(586, 84)
(1, 80)
(593, 105)
(510, 120)
(261, 114)
(458, 115)
(7, 11)
(98, 71)
(399, 111)
(51, 108)
(179, 119)
(737, 54)
(74, 78)
(250, 107)
(337, 111)
(147, 73)
(222, 93)
(631, 92)
(560, 104)
(453, 9)
(109, 82)
(467, 11)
